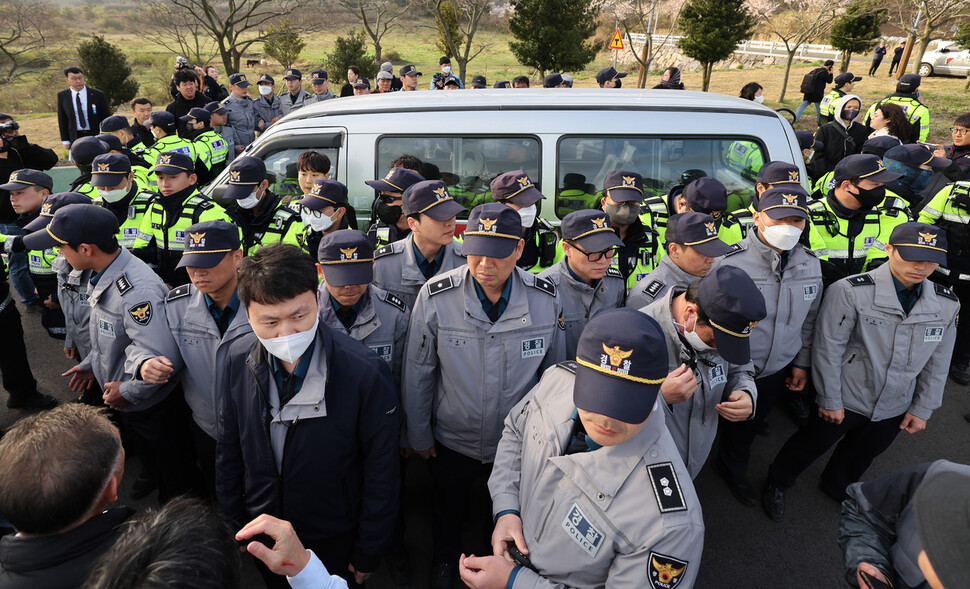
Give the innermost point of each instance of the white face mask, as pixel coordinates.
(759, 99)
(250, 201)
(318, 224)
(528, 215)
(265, 90)
(289, 348)
(693, 339)
(114, 195)
(783, 237)
(446, 69)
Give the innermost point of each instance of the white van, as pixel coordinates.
(567, 140)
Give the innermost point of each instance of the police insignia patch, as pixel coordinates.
(545, 286)
(614, 272)
(666, 572)
(582, 531)
(384, 251)
(395, 301)
(861, 280)
(122, 284)
(654, 288)
(439, 286)
(561, 321)
(945, 292)
(735, 249)
(141, 313)
(666, 487)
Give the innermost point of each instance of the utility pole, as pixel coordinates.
(910, 41)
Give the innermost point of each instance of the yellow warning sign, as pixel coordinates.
(617, 42)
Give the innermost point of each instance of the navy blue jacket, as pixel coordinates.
(339, 472)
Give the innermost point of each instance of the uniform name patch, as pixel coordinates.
(666, 487)
(584, 533)
(666, 572)
(869, 241)
(106, 328)
(933, 334)
(535, 347)
(641, 275)
(717, 375)
(383, 351)
(811, 292)
(179, 236)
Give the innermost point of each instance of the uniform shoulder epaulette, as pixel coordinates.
(395, 301)
(205, 205)
(384, 251)
(569, 365)
(614, 272)
(123, 284)
(178, 292)
(735, 249)
(440, 285)
(653, 288)
(666, 487)
(944, 291)
(810, 251)
(545, 286)
(861, 280)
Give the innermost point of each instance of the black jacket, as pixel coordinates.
(33, 156)
(97, 111)
(181, 107)
(59, 561)
(822, 77)
(837, 146)
(339, 472)
(213, 90)
(141, 132)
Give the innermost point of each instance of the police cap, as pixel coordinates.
(85, 149)
(733, 305)
(879, 145)
(215, 107)
(207, 243)
(915, 155)
(493, 230)
(74, 223)
(784, 201)
(111, 142)
(292, 74)
(779, 173)
(808, 141)
(162, 118)
(846, 78)
(590, 229)
(266, 79)
(479, 82)
(26, 178)
(109, 169)
(623, 186)
(239, 80)
(174, 163)
(515, 187)
(696, 230)
(397, 180)
(431, 198)
(53, 202)
(325, 193)
(606, 74)
(245, 174)
(114, 123)
(919, 242)
(197, 114)
(346, 257)
(706, 195)
(552, 80)
(319, 76)
(863, 166)
(908, 83)
(502, 84)
(410, 70)
(362, 83)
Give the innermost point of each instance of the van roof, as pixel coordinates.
(533, 99)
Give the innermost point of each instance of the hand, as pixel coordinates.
(358, 576)
(287, 557)
(865, 567)
(679, 385)
(70, 353)
(431, 452)
(485, 572)
(198, 70)
(156, 370)
(835, 416)
(912, 424)
(797, 380)
(239, 148)
(261, 124)
(738, 407)
(50, 304)
(81, 380)
(273, 122)
(508, 527)
(112, 396)
(939, 152)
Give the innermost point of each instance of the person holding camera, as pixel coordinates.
(187, 98)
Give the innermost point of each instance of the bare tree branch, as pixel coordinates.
(25, 32)
(470, 13)
(377, 18)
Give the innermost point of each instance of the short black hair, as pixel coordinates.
(692, 296)
(354, 69)
(108, 245)
(828, 63)
(749, 90)
(72, 70)
(963, 120)
(4, 116)
(184, 75)
(140, 100)
(430, 171)
(520, 80)
(276, 273)
(408, 162)
(313, 161)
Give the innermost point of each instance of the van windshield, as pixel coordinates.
(666, 164)
(466, 164)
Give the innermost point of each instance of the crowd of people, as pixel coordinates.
(566, 386)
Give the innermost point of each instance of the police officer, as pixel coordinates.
(72, 296)
(322, 211)
(844, 83)
(576, 195)
(517, 191)
(480, 337)
(790, 279)
(907, 96)
(588, 484)
(162, 235)
(204, 318)
(83, 152)
(702, 195)
(773, 174)
(242, 120)
(879, 361)
(320, 82)
(391, 223)
(847, 229)
(586, 281)
(258, 212)
(692, 245)
(219, 117)
(429, 249)
(139, 166)
(166, 141)
(296, 97)
(127, 326)
(710, 365)
(207, 140)
(609, 78)
(916, 165)
(118, 126)
(114, 180)
(876, 146)
(269, 107)
(622, 197)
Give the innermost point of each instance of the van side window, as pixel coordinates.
(583, 162)
(282, 173)
(466, 164)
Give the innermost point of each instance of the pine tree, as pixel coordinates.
(348, 51)
(107, 69)
(553, 35)
(451, 21)
(284, 44)
(857, 30)
(712, 30)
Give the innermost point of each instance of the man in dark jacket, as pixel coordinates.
(821, 77)
(897, 57)
(309, 423)
(877, 58)
(59, 511)
(80, 109)
(188, 97)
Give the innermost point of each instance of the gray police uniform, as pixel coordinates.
(624, 516)
(72, 295)
(580, 301)
(792, 299)
(325, 96)
(242, 118)
(396, 268)
(127, 327)
(464, 373)
(229, 136)
(655, 285)
(693, 423)
(289, 104)
(201, 349)
(268, 110)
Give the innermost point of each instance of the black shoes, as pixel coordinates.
(960, 373)
(399, 565)
(443, 575)
(740, 488)
(35, 401)
(773, 502)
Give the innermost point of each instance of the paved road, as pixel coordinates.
(743, 548)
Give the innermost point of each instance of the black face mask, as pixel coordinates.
(871, 197)
(388, 214)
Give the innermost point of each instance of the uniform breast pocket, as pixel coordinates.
(873, 322)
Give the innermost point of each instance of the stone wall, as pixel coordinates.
(670, 55)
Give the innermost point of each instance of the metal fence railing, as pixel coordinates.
(776, 48)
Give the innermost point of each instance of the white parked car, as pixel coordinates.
(945, 58)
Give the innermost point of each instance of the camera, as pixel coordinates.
(439, 80)
(8, 126)
(16, 142)
(181, 63)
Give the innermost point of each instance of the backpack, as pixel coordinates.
(808, 82)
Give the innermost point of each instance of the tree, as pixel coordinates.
(644, 16)
(25, 33)
(962, 38)
(460, 39)
(377, 18)
(448, 27)
(553, 35)
(348, 51)
(285, 44)
(802, 22)
(935, 16)
(857, 30)
(712, 30)
(108, 70)
(181, 33)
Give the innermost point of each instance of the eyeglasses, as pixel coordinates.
(597, 256)
(315, 214)
(388, 198)
(959, 131)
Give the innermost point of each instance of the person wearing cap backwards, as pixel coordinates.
(892, 553)
(847, 228)
(361, 86)
(204, 318)
(320, 82)
(874, 146)
(241, 116)
(163, 233)
(790, 280)
(842, 137)
(207, 141)
(322, 211)
(166, 141)
(409, 78)
(710, 366)
(908, 97)
(430, 248)
(445, 64)
(586, 281)
(622, 197)
(259, 213)
(697, 246)
(83, 152)
(882, 348)
(295, 97)
(516, 190)
(608, 77)
(309, 424)
(588, 486)
(392, 224)
(121, 194)
(219, 118)
(844, 83)
(268, 106)
(127, 327)
(480, 337)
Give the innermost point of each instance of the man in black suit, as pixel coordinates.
(80, 110)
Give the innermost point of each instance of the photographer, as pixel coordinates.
(17, 153)
(182, 64)
(212, 89)
(188, 97)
